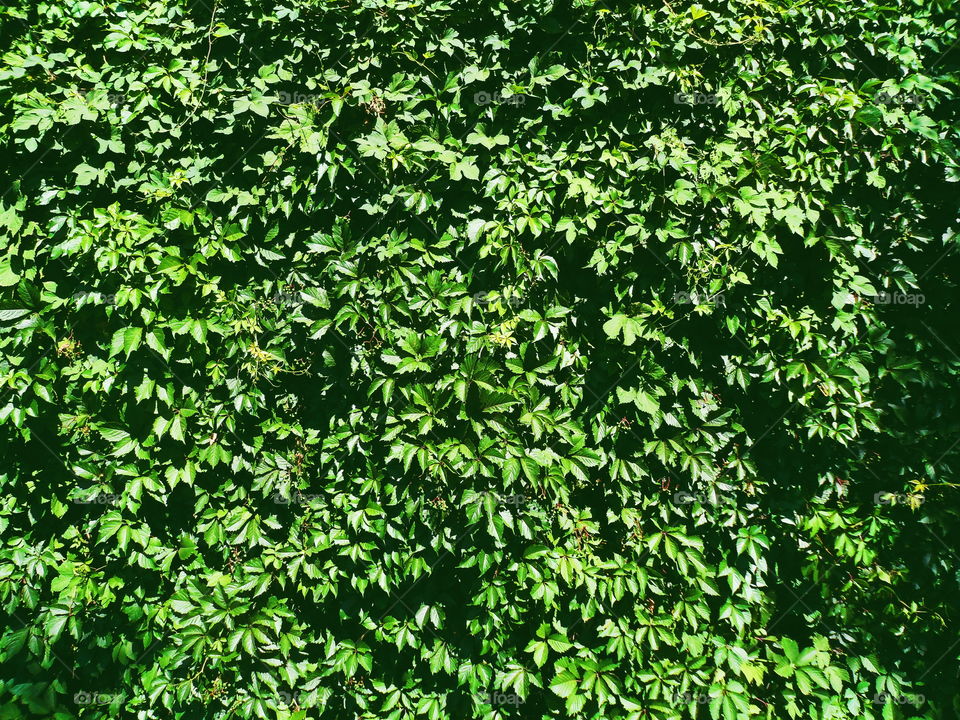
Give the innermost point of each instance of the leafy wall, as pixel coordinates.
(448, 359)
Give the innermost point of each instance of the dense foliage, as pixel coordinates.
(449, 359)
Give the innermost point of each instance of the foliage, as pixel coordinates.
(430, 358)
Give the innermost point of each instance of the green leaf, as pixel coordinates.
(564, 684)
(125, 340)
(7, 275)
